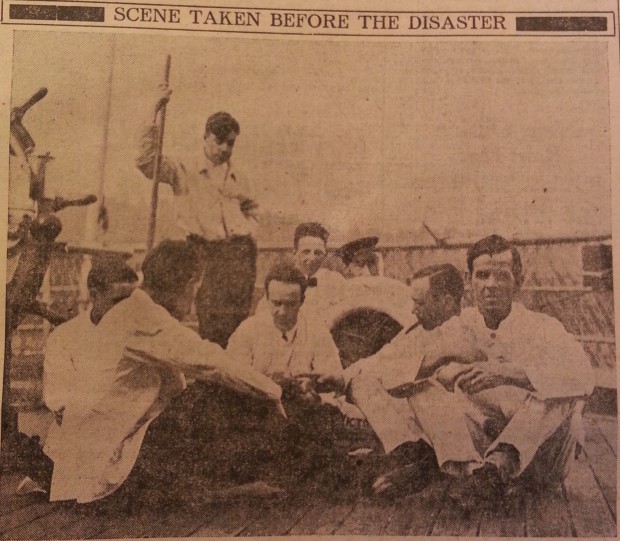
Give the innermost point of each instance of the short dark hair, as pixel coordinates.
(170, 266)
(287, 273)
(108, 271)
(491, 245)
(444, 279)
(310, 229)
(221, 124)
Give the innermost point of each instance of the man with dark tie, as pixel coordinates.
(281, 342)
(324, 287)
(300, 355)
(310, 252)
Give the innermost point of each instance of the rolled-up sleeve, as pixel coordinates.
(145, 159)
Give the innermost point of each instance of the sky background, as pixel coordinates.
(366, 137)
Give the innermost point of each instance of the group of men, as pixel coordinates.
(490, 394)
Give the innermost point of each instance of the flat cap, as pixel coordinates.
(349, 250)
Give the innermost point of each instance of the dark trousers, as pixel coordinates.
(212, 438)
(225, 296)
(25, 455)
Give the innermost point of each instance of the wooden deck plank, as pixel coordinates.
(277, 518)
(507, 523)
(416, 514)
(608, 427)
(13, 504)
(25, 515)
(229, 520)
(323, 518)
(8, 485)
(87, 527)
(590, 514)
(546, 515)
(9, 501)
(123, 524)
(179, 523)
(51, 526)
(453, 521)
(603, 463)
(367, 518)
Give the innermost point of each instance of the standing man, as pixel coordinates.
(217, 211)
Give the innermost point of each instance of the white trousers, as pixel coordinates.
(392, 419)
(544, 432)
(465, 429)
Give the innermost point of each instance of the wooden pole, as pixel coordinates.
(157, 165)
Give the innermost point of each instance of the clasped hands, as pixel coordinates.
(476, 376)
(308, 386)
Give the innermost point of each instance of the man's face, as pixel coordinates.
(103, 300)
(310, 254)
(494, 285)
(217, 150)
(431, 310)
(285, 301)
(363, 264)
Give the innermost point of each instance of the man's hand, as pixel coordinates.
(444, 354)
(307, 391)
(487, 375)
(249, 208)
(330, 383)
(163, 97)
(449, 373)
(58, 415)
(298, 386)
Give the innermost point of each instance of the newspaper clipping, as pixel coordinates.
(292, 268)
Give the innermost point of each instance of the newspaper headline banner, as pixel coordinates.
(309, 21)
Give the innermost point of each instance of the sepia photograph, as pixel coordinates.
(291, 285)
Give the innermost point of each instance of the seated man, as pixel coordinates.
(510, 407)
(300, 355)
(66, 376)
(436, 292)
(297, 352)
(283, 344)
(143, 355)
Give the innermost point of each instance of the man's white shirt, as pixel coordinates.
(69, 376)
(143, 356)
(307, 348)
